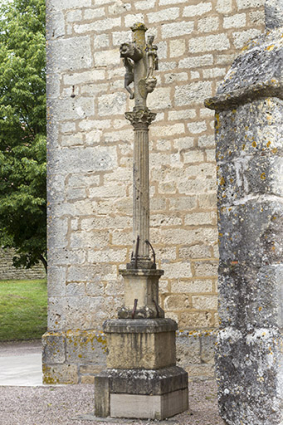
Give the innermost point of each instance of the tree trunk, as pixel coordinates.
(44, 262)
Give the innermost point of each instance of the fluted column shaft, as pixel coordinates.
(141, 191)
(141, 120)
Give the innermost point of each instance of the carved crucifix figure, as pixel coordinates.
(140, 60)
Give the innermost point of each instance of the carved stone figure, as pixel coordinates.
(129, 76)
(140, 61)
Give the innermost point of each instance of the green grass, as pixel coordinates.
(23, 309)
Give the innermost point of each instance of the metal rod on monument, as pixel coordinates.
(140, 60)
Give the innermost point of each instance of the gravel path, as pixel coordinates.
(62, 405)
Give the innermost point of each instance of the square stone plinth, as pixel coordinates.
(148, 406)
(140, 344)
(145, 394)
(141, 285)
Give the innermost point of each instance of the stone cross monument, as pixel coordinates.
(249, 154)
(142, 379)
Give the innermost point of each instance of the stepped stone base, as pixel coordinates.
(76, 356)
(142, 379)
(147, 394)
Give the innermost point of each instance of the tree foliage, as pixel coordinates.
(23, 130)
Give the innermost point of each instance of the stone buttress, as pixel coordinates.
(248, 126)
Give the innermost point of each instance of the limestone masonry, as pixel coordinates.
(249, 111)
(90, 170)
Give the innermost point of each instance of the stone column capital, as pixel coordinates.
(140, 119)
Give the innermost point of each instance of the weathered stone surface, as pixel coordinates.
(191, 347)
(111, 104)
(250, 175)
(140, 326)
(152, 394)
(258, 239)
(207, 348)
(98, 25)
(176, 29)
(258, 290)
(208, 43)
(249, 137)
(196, 320)
(273, 14)
(146, 382)
(141, 285)
(68, 4)
(87, 159)
(151, 354)
(85, 347)
(65, 352)
(53, 348)
(148, 339)
(148, 407)
(197, 10)
(250, 367)
(257, 72)
(102, 396)
(60, 374)
(260, 137)
(65, 48)
(56, 312)
(192, 93)
(241, 38)
(224, 6)
(188, 349)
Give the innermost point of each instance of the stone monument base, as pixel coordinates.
(144, 394)
(142, 379)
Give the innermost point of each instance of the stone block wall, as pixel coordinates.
(9, 272)
(90, 155)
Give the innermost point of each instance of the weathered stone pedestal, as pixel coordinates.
(249, 123)
(141, 294)
(142, 379)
